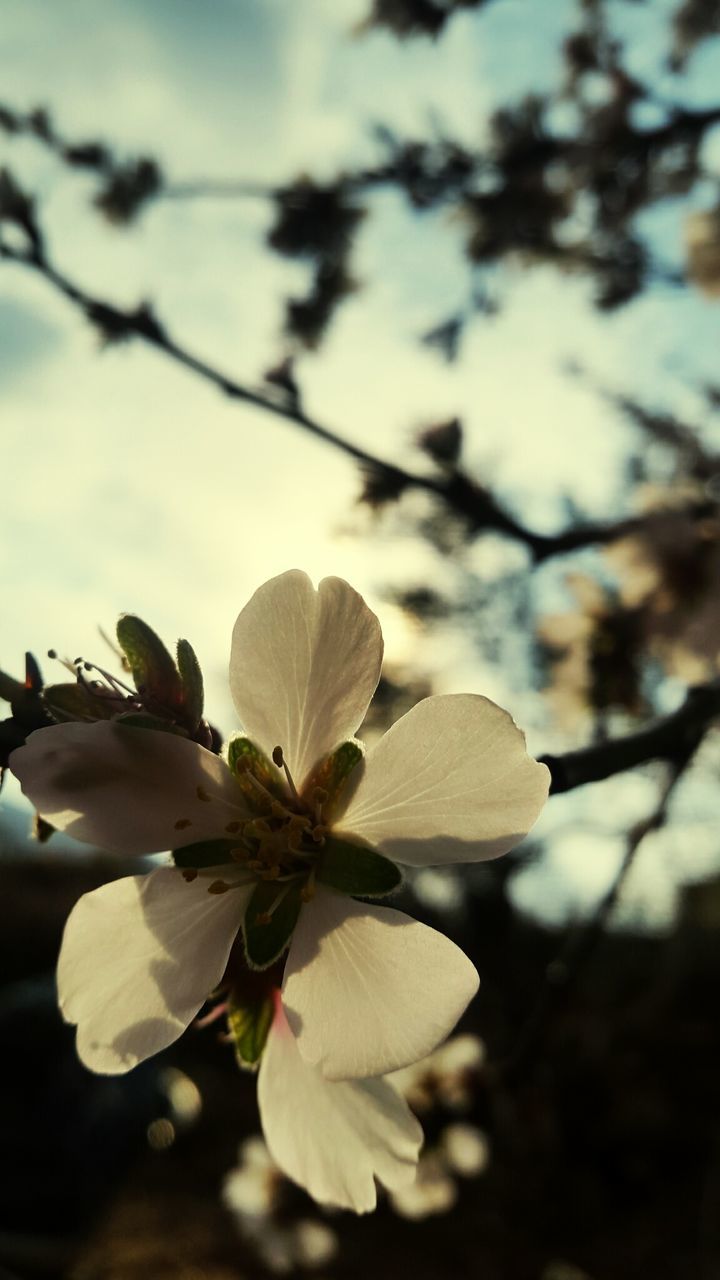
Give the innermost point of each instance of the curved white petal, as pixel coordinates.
(127, 790)
(334, 1137)
(304, 666)
(367, 989)
(139, 957)
(451, 781)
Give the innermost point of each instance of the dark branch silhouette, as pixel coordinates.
(673, 739)
(462, 495)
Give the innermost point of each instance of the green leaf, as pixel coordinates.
(192, 683)
(265, 940)
(353, 869)
(249, 1024)
(205, 853)
(72, 701)
(152, 667)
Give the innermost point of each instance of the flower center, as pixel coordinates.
(286, 831)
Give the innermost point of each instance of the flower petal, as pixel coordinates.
(367, 989)
(451, 781)
(127, 790)
(334, 1138)
(304, 666)
(139, 957)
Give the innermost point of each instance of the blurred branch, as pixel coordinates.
(670, 739)
(457, 491)
(582, 940)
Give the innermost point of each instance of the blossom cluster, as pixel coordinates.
(280, 853)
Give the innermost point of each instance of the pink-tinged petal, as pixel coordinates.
(127, 790)
(449, 782)
(304, 666)
(334, 1138)
(368, 989)
(139, 957)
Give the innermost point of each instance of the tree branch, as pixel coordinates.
(474, 503)
(581, 940)
(670, 739)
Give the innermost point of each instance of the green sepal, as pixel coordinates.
(205, 853)
(249, 1024)
(332, 773)
(192, 683)
(72, 701)
(152, 667)
(144, 720)
(10, 688)
(351, 868)
(265, 942)
(244, 757)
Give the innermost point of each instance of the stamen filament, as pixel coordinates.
(307, 893)
(264, 917)
(212, 1016)
(279, 760)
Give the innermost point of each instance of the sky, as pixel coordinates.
(148, 492)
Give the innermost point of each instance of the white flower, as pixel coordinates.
(366, 989)
(333, 1137)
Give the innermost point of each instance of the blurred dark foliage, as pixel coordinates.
(125, 185)
(560, 178)
(318, 224)
(442, 442)
(693, 22)
(416, 17)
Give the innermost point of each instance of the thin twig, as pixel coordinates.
(457, 491)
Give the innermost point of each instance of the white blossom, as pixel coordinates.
(366, 989)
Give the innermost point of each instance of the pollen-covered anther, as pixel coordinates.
(258, 827)
(232, 828)
(295, 830)
(219, 886)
